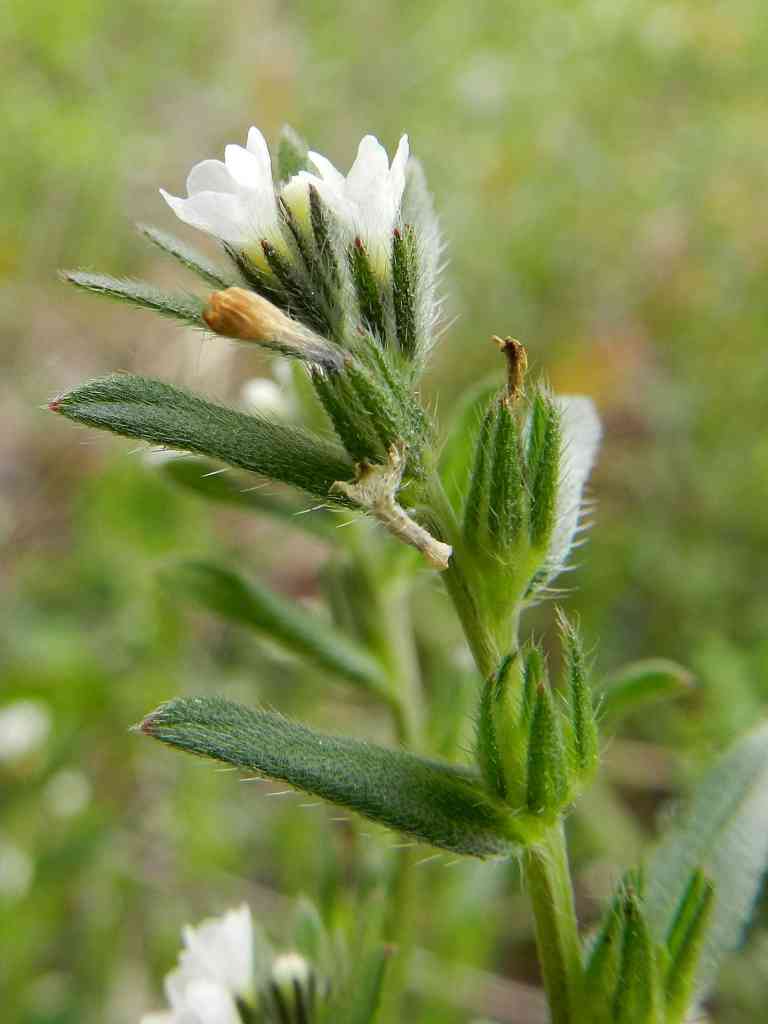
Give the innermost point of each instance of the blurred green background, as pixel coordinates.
(599, 167)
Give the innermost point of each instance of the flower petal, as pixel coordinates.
(218, 213)
(246, 169)
(397, 170)
(221, 949)
(328, 172)
(371, 166)
(210, 176)
(200, 1001)
(257, 146)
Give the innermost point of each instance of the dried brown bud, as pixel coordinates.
(247, 316)
(517, 364)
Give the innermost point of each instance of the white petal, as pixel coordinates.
(221, 949)
(371, 166)
(203, 1002)
(581, 431)
(164, 1017)
(327, 171)
(258, 147)
(245, 168)
(218, 213)
(210, 176)
(397, 170)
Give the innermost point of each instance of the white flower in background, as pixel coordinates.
(67, 793)
(581, 432)
(227, 969)
(264, 396)
(234, 200)
(367, 201)
(220, 949)
(16, 871)
(24, 726)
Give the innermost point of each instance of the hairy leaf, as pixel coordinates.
(640, 683)
(724, 832)
(208, 480)
(178, 305)
(189, 257)
(252, 604)
(166, 415)
(434, 802)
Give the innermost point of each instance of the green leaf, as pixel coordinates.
(459, 448)
(208, 480)
(641, 683)
(165, 415)
(364, 989)
(638, 995)
(724, 833)
(434, 802)
(189, 257)
(179, 306)
(252, 604)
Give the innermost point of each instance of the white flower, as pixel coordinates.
(24, 726)
(262, 395)
(200, 1001)
(234, 200)
(367, 201)
(216, 968)
(581, 431)
(220, 949)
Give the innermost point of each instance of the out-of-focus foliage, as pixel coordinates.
(599, 167)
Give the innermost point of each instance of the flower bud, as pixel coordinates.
(244, 315)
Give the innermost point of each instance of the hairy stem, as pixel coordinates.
(557, 937)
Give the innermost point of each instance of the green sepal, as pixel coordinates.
(405, 272)
(603, 969)
(433, 802)
(543, 467)
(638, 998)
(641, 683)
(506, 515)
(324, 245)
(684, 942)
(189, 257)
(291, 153)
(460, 444)
(296, 296)
(502, 733)
(367, 289)
(476, 505)
(250, 603)
(165, 415)
(547, 785)
(582, 732)
(177, 305)
(208, 480)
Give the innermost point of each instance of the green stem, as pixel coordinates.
(557, 936)
(545, 864)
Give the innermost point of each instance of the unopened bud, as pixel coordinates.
(247, 316)
(293, 989)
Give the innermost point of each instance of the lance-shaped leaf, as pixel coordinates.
(640, 683)
(178, 305)
(434, 802)
(162, 414)
(250, 603)
(724, 833)
(208, 480)
(189, 257)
